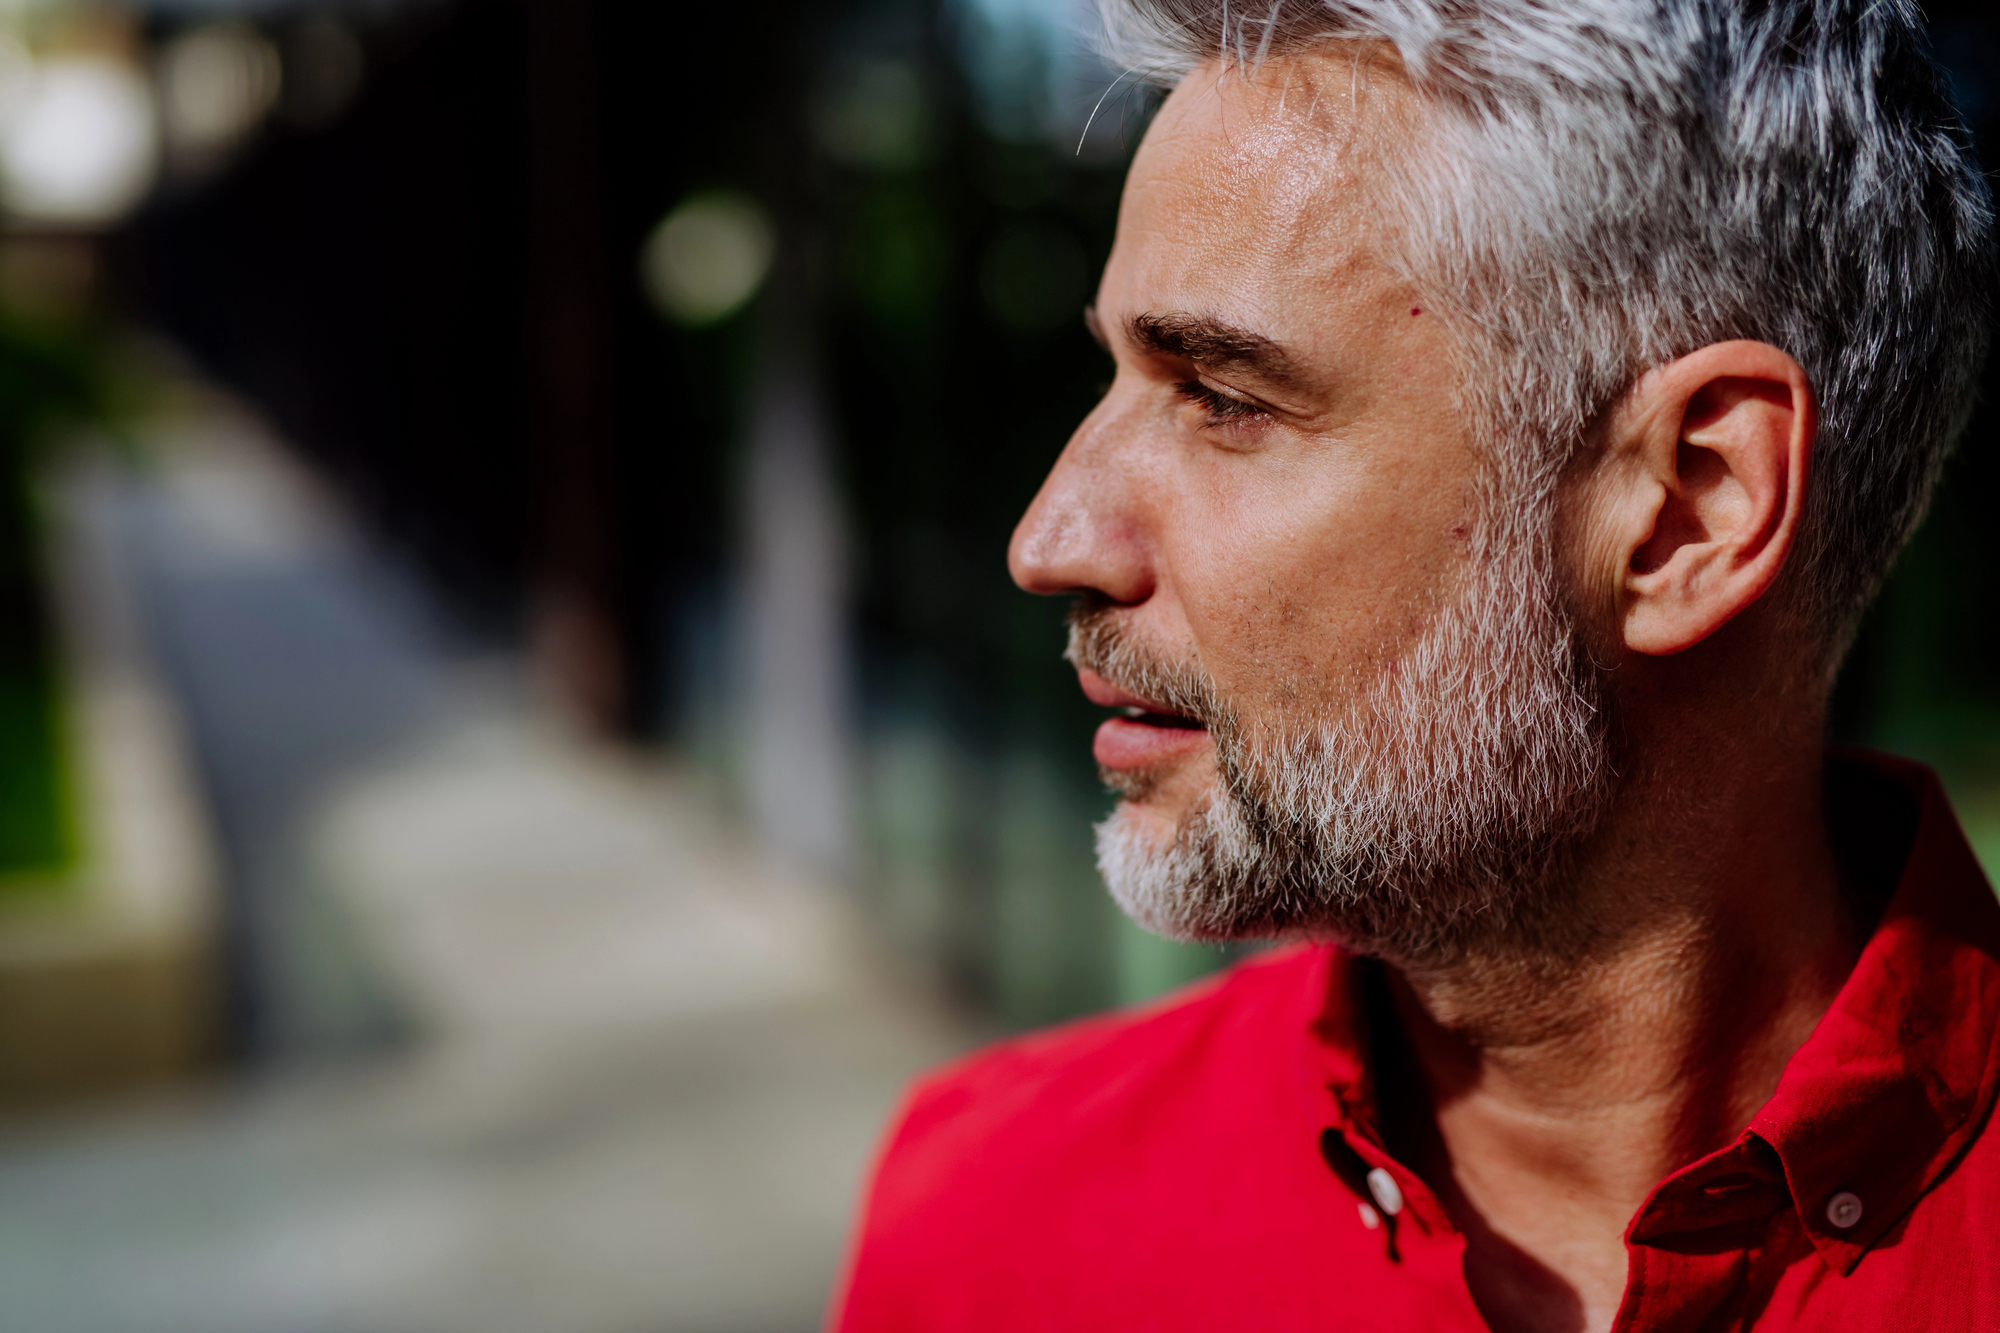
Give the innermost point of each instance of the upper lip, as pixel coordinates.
(1106, 695)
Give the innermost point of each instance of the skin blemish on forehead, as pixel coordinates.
(1416, 310)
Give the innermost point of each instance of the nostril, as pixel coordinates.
(1083, 529)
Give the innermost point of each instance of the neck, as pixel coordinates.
(1563, 1091)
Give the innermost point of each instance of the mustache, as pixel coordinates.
(1100, 641)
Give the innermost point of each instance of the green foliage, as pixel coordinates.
(36, 823)
(54, 378)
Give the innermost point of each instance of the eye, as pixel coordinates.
(1224, 409)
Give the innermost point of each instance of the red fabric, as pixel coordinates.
(1164, 1169)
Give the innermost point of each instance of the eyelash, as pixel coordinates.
(1221, 408)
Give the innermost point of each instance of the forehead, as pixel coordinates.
(1254, 185)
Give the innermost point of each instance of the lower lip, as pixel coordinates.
(1125, 745)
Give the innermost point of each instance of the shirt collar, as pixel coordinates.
(1891, 1086)
(1898, 1075)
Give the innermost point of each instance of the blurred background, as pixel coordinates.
(516, 738)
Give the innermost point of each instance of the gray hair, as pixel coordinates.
(1626, 181)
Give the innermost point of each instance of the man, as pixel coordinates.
(1516, 405)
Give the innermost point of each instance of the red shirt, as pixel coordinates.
(1204, 1164)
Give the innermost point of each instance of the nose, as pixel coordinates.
(1086, 529)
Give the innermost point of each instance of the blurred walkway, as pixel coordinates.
(635, 1072)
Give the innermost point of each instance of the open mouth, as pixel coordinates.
(1147, 717)
(1142, 734)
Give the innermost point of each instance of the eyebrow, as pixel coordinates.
(1207, 342)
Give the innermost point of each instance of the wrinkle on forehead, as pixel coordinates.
(1304, 120)
(1251, 181)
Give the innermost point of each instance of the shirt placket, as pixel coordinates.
(1419, 1240)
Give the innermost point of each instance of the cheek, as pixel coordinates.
(1311, 581)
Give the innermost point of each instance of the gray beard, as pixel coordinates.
(1433, 820)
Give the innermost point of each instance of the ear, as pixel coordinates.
(1703, 484)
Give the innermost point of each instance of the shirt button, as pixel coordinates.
(1389, 1195)
(1843, 1210)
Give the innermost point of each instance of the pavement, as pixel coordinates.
(538, 1040)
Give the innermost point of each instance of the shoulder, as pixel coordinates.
(1048, 1144)
(1084, 1073)
(1155, 1168)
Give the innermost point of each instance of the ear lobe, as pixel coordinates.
(1718, 447)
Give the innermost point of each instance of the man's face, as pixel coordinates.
(1274, 513)
(1290, 518)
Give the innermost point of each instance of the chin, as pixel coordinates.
(1149, 820)
(1155, 876)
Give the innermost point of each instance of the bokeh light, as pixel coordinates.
(708, 257)
(216, 84)
(82, 149)
(872, 113)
